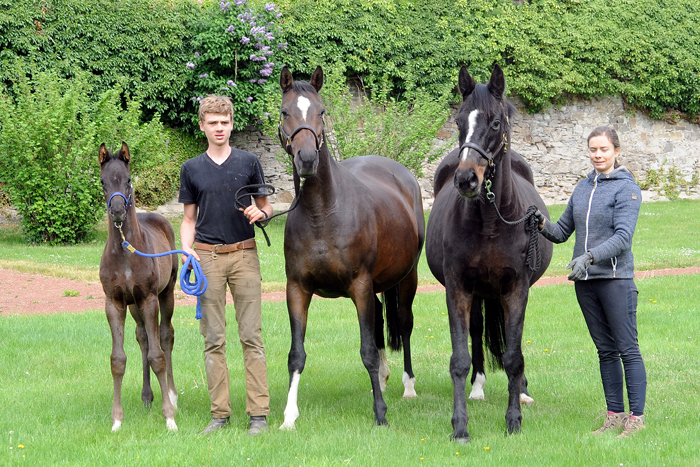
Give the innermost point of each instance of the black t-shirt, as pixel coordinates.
(213, 188)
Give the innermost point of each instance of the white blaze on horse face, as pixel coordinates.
(472, 125)
(291, 412)
(303, 103)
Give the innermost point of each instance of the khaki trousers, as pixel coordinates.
(241, 271)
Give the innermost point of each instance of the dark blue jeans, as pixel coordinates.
(610, 309)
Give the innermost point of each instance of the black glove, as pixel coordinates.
(540, 219)
(579, 266)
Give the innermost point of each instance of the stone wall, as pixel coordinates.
(553, 142)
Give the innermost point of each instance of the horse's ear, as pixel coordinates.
(497, 83)
(466, 83)
(124, 152)
(286, 80)
(317, 78)
(102, 154)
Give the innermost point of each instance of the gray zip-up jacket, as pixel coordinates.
(603, 210)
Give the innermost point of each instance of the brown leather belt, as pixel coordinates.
(226, 248)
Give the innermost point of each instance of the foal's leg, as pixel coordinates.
(458, 309)
(362, 294)
(476, 332)
(156, 357)
(166, 300)
(513, 361)
(407, 292)
(116, 315)
(142, 338)
(298, 301)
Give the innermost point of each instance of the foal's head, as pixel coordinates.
(484, 130)
(116, 181)
(301, 121)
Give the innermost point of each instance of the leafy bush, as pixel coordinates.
(140, 44)
(49, 134)
(645, 50)
(234, 52)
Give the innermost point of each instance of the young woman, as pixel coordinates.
(603, 211)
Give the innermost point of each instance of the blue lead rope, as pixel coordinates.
(195, 288)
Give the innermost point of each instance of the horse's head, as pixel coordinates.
(484, 130)
(116, 181)
(301, 121)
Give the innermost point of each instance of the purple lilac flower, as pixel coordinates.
(241, 2)
(278, 15)
(196, 99)
(269, 36)
(196, 54)
(245, 40)
(266, 72)
(270, 7)
(267, 114)
(230, 29)
(249, 100)
(225, 6)
(268, 53)
(204, 75)
(282, 46)
(252, 80)
(253, 23)
(190, 65)
(262, 81)
(231, 83)
(257, 30)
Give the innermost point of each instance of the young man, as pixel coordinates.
(223, 238)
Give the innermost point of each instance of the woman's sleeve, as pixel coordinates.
(561, 230)
(628, 201)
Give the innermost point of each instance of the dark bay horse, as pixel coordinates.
(483, 262)
(357, 231)
(145, 285)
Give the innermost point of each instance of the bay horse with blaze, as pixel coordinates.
(145, 285)
(484, 257)
(357, 231)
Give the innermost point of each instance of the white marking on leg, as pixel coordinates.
(477, 393)
(291, 412)
(384, 371)
(117, 425)
(525, 399)
(409, 386)
(173, 398)
(170, 423)
(470, 133)
(303, 103)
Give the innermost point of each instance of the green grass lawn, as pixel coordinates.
(56, 392)
(666, 237)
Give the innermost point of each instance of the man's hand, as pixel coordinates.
(254, 214)
(190, 252)
(579, 266)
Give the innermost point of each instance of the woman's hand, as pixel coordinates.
(579, 266)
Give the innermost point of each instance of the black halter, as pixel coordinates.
(489, 157)
(286, 140)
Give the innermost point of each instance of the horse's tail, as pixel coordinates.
(393, 325)
(494, 330)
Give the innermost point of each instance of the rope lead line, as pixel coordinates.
(533, 247)
(195, 288)
(270, 191)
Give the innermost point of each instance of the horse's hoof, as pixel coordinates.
(170, 423)
(286, 427)
(117, 424)
(525, 399)
(409, 384)
(461, 439)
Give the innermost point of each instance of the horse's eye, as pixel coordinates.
(284, 113)
(496, 124)
(128, 182)
(322, 113)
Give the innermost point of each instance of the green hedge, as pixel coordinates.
(644, 50)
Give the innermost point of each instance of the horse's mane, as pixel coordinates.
(303, 87)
